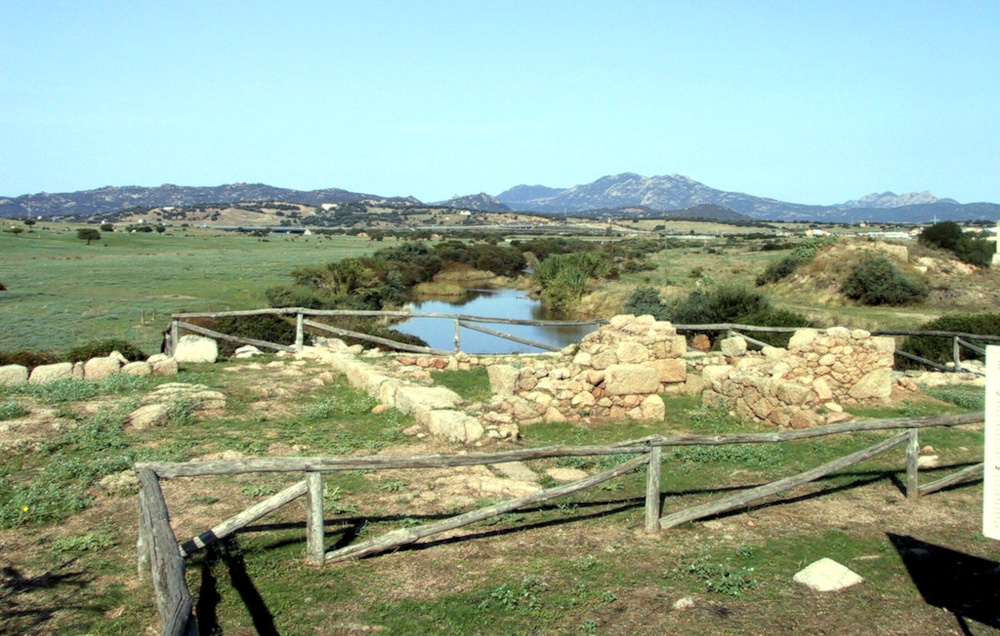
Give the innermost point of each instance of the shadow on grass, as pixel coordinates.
(965, 585)
(29, 602)
(228, 554)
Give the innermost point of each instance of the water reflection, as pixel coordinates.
(439, 333)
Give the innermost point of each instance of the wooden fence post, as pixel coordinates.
(174, 335)
(299, 336)
(142, 543)
(653, 490)
(912, 456)
(458, 337)
(315, 552)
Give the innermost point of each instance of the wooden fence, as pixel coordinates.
(161, 555)
(959, 339)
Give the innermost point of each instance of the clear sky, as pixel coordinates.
(805, 101)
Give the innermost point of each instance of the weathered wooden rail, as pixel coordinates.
(301, 314)
(161, 555)
(960, 340)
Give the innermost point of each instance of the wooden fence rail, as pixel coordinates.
(160, 553)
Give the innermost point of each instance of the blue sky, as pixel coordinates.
(808, 101)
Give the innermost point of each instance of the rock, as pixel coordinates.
(564, 475)
(826, 575)
(247, 351)
(100, 368)
(13, 375)
(682, 604)
(627, 379)
(165, 367)
(51, 373)
(77, 373)
(802, 339)
(157, 357)
(629, 352)
(140, 368)
(928, 461)
(734, 347)
(193, 349)
(653, 408)
(553, 415)
(701, 342)
(670, 371)
(149, 416)
(503, 379)
(410, 399)
(454, 425)
(517, 471)
(793, 394)
(822, 389)
(876, 384)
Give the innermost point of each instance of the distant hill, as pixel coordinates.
(112, 199)
(481, 202)
(677, 192)
(612, 195)
(698, 212)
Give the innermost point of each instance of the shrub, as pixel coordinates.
(725, 303)
(876, 281)
(104, 348)
(775, 318)
(88, 234)
(940, 349)
(265, 327)
(948, 235)
(646, 300)
(2, 286)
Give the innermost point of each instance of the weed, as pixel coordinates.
(332, 503)
(258, 491)
(393, 485)
(589, 626)
(723, 577)
(206, 500)
(10, 410)
(967, 397)
(100, 539)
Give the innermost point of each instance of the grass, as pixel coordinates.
(473, 385)
(47, 307)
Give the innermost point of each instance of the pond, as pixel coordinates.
(439, 333)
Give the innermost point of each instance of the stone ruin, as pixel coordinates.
(806, 384)
(615, 372)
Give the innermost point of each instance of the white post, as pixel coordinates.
(991, 450)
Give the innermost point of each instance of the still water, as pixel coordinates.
(439, 333)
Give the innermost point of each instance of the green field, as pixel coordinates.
(62, 292)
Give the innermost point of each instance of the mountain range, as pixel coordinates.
(610, 195)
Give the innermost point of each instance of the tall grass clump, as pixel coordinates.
(800, 255)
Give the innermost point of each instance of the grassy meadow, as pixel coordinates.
(63, 292)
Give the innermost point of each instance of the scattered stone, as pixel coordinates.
(683, 604)
(503, 379)
(51, 373)
(167, 366)
(826, 575)
(194, 349)
(247, 351)
(137, 369)
(100, 368)
(516, 470)
(149, 416)
(13, 375)
(121, 484)
(734, 347)
(928, 461)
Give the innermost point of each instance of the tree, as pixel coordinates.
(107, 227)
(16, 230)
(29, 222)
(88, 234)
(160, 229)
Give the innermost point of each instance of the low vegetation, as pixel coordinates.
(940, 349)
(876, 281)
(967, 247)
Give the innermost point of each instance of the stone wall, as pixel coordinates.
(615, 372)
(806, 384)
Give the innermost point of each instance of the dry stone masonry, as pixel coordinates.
(806, 384)
(615, 372)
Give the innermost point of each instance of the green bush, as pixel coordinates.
(725, 303)
(969, 248)
(564, 277)
(775, 318)
(646, 300)
(939, 349)
(2, 286)
(876, 281)
(103, 348)
(268, 328)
